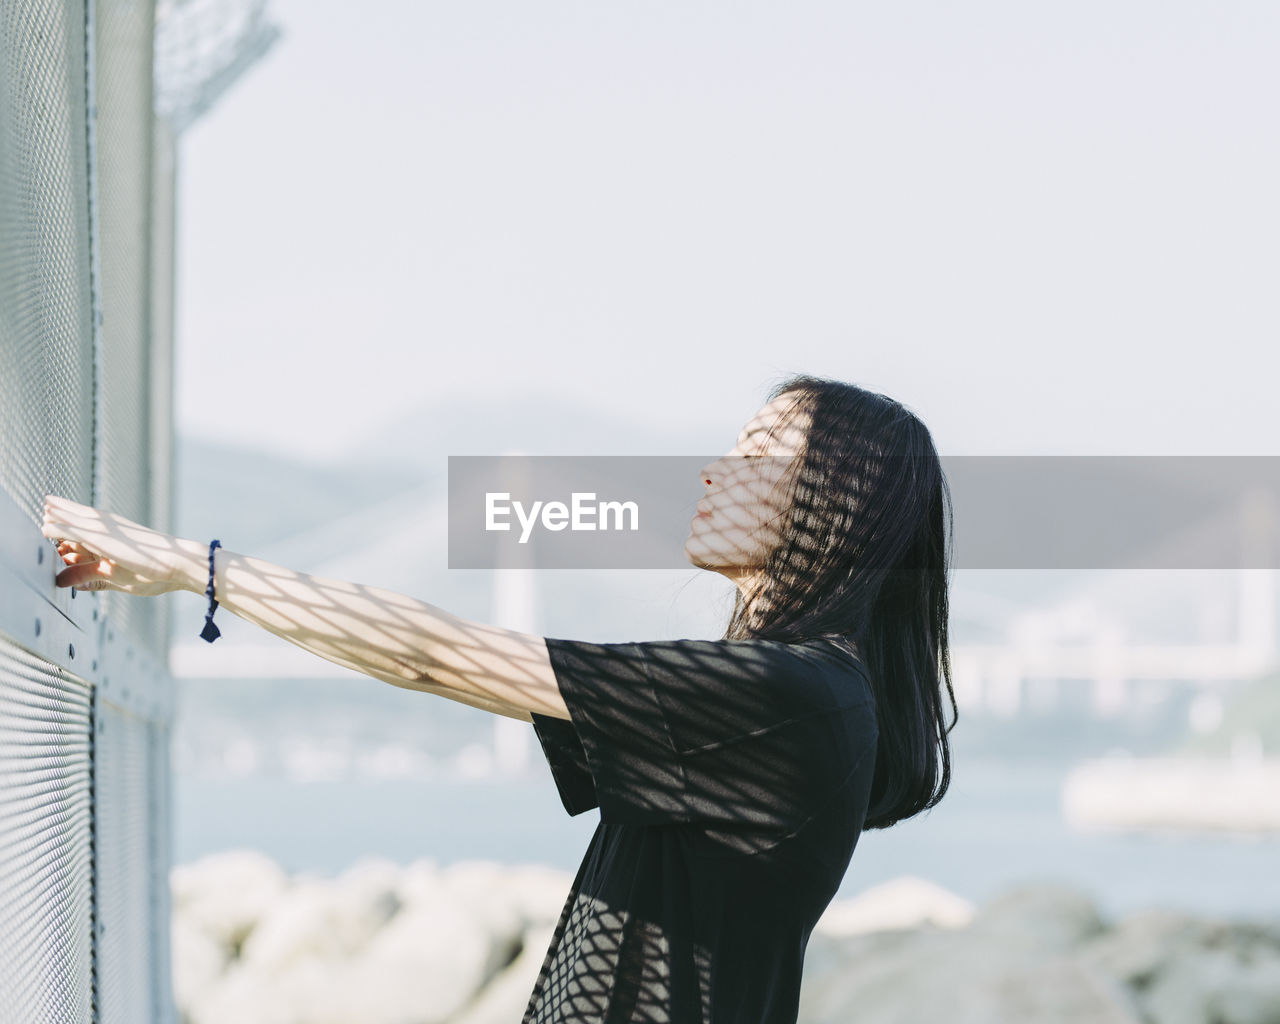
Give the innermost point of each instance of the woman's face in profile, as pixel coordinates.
(747, 492)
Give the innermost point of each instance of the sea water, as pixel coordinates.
(999, 825)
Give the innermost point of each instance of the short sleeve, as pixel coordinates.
(568, 763)
(725, 733)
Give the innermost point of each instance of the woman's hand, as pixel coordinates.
(105, 551)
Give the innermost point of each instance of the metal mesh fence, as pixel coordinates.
(46, 337)
(86, 229)
(46, 876)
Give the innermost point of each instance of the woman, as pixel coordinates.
(733, 776)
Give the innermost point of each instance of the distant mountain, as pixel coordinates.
(249, 500)
(423, 440)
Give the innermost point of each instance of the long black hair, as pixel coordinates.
(864, 558)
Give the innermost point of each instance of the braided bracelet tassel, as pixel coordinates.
(210, 631)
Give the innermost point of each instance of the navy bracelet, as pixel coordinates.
(210, 631)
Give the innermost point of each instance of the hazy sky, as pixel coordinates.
(1045, 228)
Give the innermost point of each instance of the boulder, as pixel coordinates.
(225, 894)
(318, 918)
(303, 993)
(377, 945)
(197, 961)
(1219, 985)
(424, 966)
(504, 999)
(1013, 964)
(1038, 917)
(1138, 947)
(905, 902)
(538, 893)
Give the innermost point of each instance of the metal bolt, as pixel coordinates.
(95, 666)
(71, 650)
(40, 555)
(95, 615)
(73, 593)
(37, 627)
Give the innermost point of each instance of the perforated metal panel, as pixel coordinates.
(85, 412)
(46, 342)
(46, 864)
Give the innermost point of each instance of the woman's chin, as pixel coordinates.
(699, 555)
(695, 552)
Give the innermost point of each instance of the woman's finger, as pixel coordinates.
(81, 574)
(140, 555)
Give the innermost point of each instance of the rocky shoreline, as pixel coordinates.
(462, 944)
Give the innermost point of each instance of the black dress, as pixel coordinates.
(732, 778)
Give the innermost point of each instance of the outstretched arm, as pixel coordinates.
(389, 636)
(384, 634)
